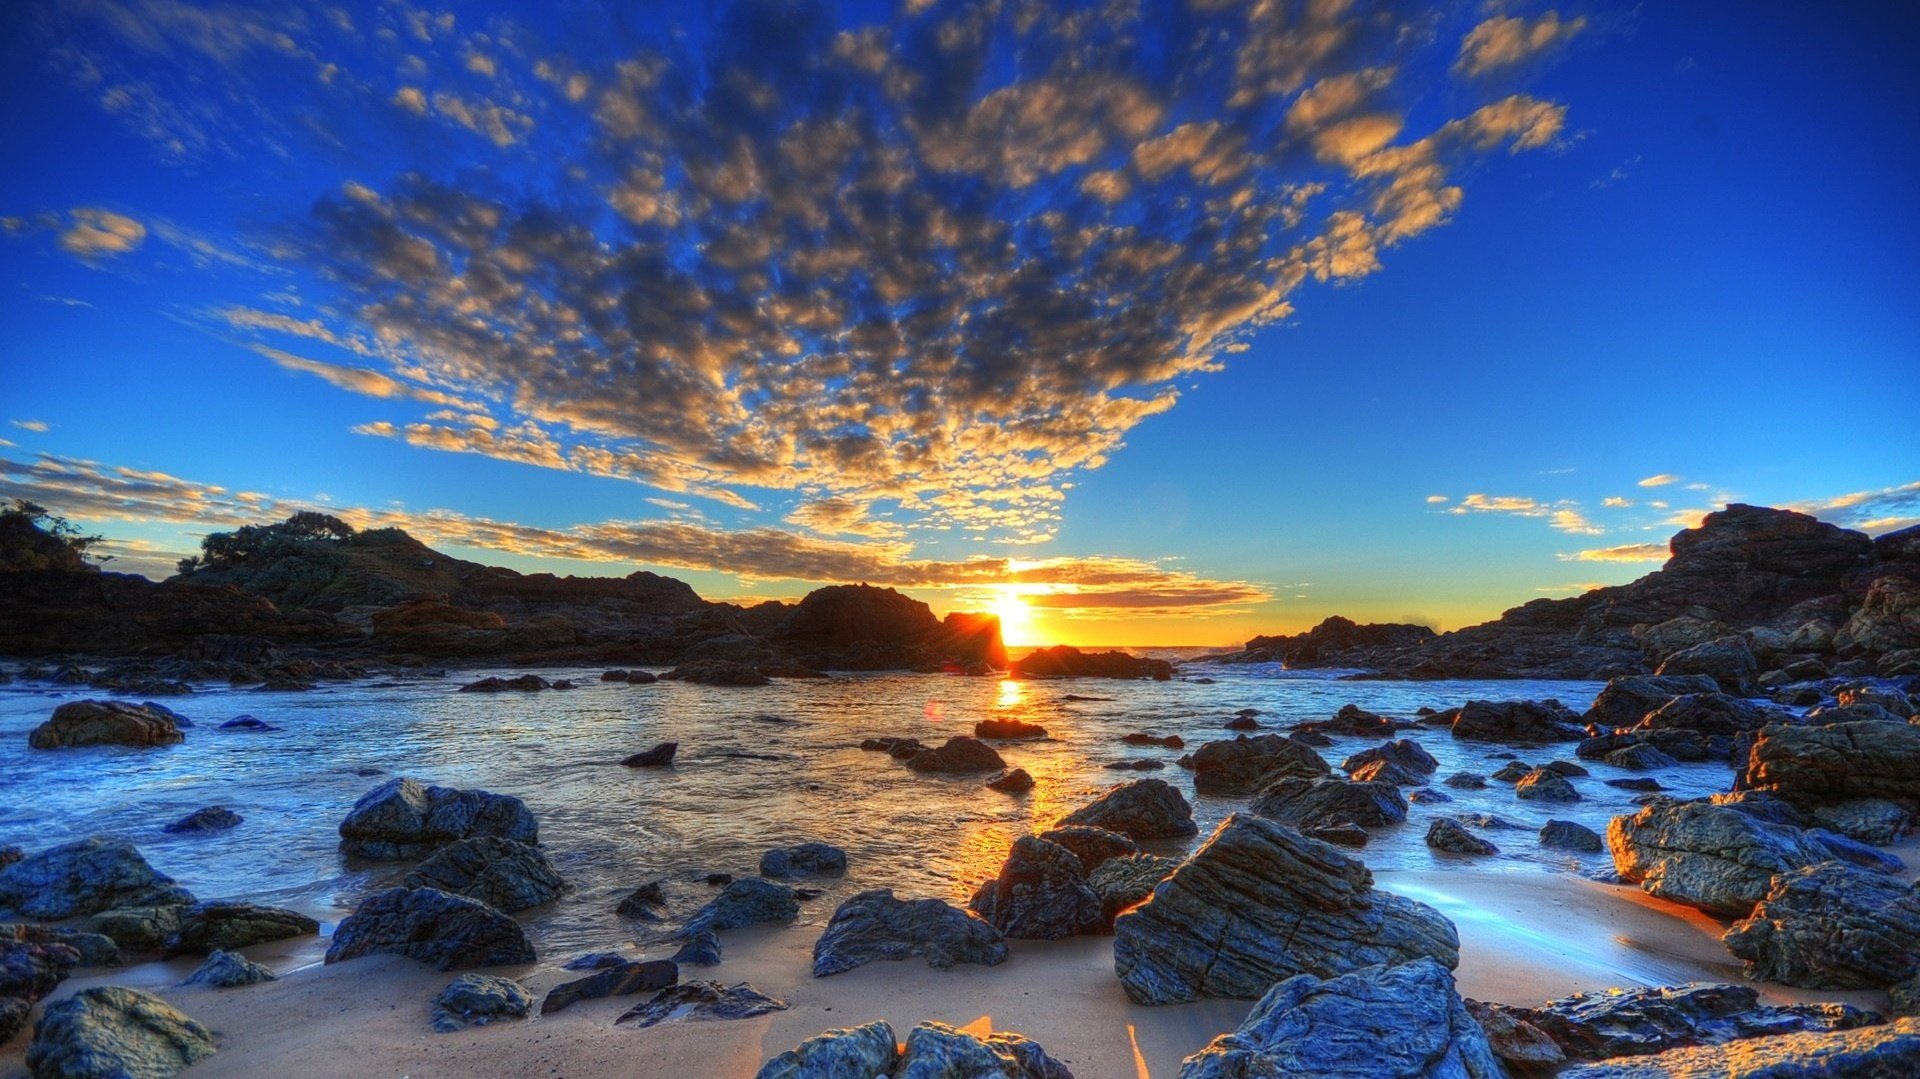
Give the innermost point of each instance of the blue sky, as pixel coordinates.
(963, 317)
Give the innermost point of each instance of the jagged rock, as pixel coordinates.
(403, 818)
(1259, 902)
(1832, 926)
(1522, 722)
(1713, 857)
(1305, 803)
(1242, 765)
(804, 860)
(1877, 1052)
(1092, 846)
(1638, 1022)
(745, 902)
(1008, 729)
(696, 1001)
(1446, 834)
(857, 1053)
(211, 927)
(1340, 833)
(229, 970)
(1382, 1022)
(525, 683)
(1644, 757)
(958, 756)
(1726, 660)
(1404, 752)
(873, 925)
(476, 1000)
(1015, 781)
(1541, 785)
(1388, 772)
(657, 757)
(1883, 695)
(938, 1051)
(84, 877)
(1826, 764)
(718, 672)
(106, 723)
(505, 874)
(1143, 809)
(1627, 700)
(1568, 835)
(1040, 894)
(201, 821)
(1126, 880)
(442, 930)
(1869, 820)
(112, 1032)
(1711, 713)
(621, 979)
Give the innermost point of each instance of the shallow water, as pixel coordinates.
(756, 768)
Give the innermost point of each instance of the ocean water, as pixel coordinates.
(757, 768)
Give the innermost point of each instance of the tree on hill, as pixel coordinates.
(251, 544)
(34, 538)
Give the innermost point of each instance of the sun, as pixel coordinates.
(1016, 616)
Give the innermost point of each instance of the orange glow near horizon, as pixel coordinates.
(1017, 626)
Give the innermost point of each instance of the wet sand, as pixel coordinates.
(1524, 938)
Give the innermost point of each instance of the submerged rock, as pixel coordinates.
(1382, 1022)
(84, 877)
(211, 927)
(1544, 785)
(1242, 765)
(478, 999)
(229, 970)
(1713, 857)
(1637, 1022)
(718, 672)
(403, 818)
(442, 930)
(1259, 902)
(1015, 781)
(1571, 835)
(804, 860)
(106, 723)
(958, 756)
(112, 1032)
(620, 979)
(1143, 809)
(658, 757)
(524, 683)
(1008, 729)
(1404, 752)
(1832, 926)
(202, 821)
(504, 874)
(1876, 1052)
(872, 926)
(696, 1001)
(1040, 894)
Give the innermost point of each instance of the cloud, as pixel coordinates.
(1615, 502)
(1516, 504)
(1660, 480)
(359, 379)
(1874, 511)
(1435, 500)
(1626, 552)
(1574, 522)
(30, 425)
(93, 234)
(1505, 41)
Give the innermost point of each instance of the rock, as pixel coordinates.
(1446, 834)
(1257, 903)
(1428, 795)
(505, 874)
(1386, 1022)
(211, 927)
(1514, 1040)
(958, 756)
(1638, 1022)
(525, 683)
(1513, 771)
(1065, 661)
(745, 902)
(1635, 784)
(105, 723)
(248, 723)
(1092, 846)
(1466, 781)
(1135, 765)
(938, 1051)
(1869, 820)
(1883, 695)
(616, 675)
(1016, 781)
(657, 757)
(1008, 729)
(442, 930)
(229, 970)
(1388, 772)
(84, 877)
(137, 929)
(202, 821)
(718, 672)
(1243, 765)
(10, 854)
(94, 949)
(804, 860)
(1404, 752)
(1242, 723)
(1541, 785)
(1832, 926)
(1626, 700)
(1143, 809)
(1516, 722)
(697, 1001)
(719, 880)
(1568, 835)
(28, 972)
(595, 961)
(1726, 660)
(1889, 1050)
(1040, 894)
(1125, 881)
(620, 980)
(872, 926)
(1340, 833)
(403, 819)
(1566, 768)
(111, 1032)
(699, 949)
(1168, 741)
(1708, 856)
(1818, 765)
(478, 999)
(1852, 851)
(1308, 802)
(866, 1052)
(1639, 758)
(893, 747)
(1711, 713)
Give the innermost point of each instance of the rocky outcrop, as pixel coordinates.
(112, 1031)
(1065, 661)
(1041, 893)
(1875, 1052)
(1387, 1022)
(1626, 701)
(873, 926)
(1092, 846)
(505, 874)
(474, 1000)
(1512, 722)
(1832, 926)
(859, 627)
(84, 877)
(106, 723)
(444, 931)
(1335, 642)
(932, 1051)
(1242, 765)
(402, 818)
(1404, 752)
(1818, 765)
(1726, 660)
(1640, 1022)
(960, 755)
(1308, 803)
(1258, 903)
(1713, 857)
(1144, 809)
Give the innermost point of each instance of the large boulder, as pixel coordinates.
(750, 901)
(1307, 803)
(29, 970)
(106, 723)
(84, 877)
(1380, 1022)
(960, 755)
(1824, 764)
(1888, 1051)
(505, 874)
(1240, 766)
(1404, 752)
(1040, 894)
(1832, 926)
(1713, 857)
(1888, 619)
(1093, 846)
(1126, 881)
(1626, 700)
(1258, 903)
(229, 970)
(1726, 660)
(1523, 722)
(442, 930)
(403, 818)
(856, 1053)
(932, 1051)
(1638, 1022)
(1545, 785)
(872, 926)
(1711, 713)
(1143, 809)
(112, 1032)
(211, 927)
(478, 999)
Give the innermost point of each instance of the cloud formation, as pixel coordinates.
(1874, 512)
(1662, 479)
(93, 234)
(1507, 41)
(1626, 552)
